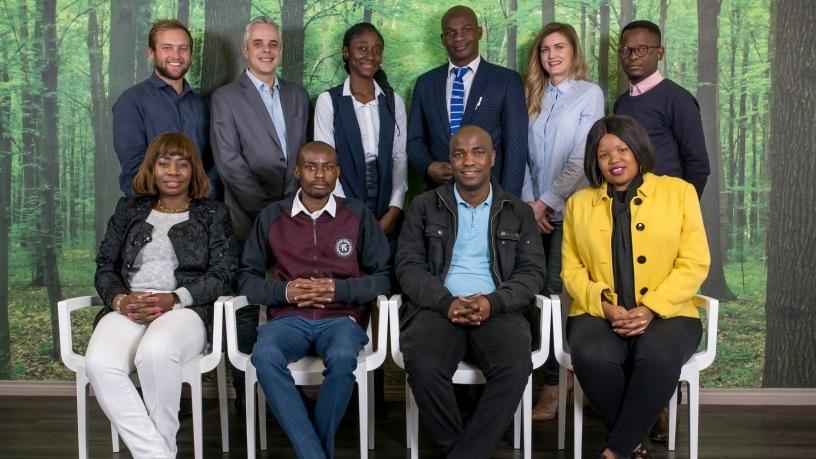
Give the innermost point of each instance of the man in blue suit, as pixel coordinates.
(467, 90)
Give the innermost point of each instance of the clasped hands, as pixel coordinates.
(469, 310)
(543, 216)
(315, 292)
(627, 323)
(145, 307)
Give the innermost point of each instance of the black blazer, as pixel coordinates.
(206, 252)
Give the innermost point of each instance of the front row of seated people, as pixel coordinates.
(634, 255)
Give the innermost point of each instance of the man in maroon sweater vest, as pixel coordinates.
(317, 262)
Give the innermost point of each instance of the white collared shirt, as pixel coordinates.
(467, 80)
(368, 119)
(298, 207)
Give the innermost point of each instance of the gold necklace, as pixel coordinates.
(161, 208)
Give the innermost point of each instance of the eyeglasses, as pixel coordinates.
(639, 50)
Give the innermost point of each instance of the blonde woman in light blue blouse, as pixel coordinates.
(562, 106)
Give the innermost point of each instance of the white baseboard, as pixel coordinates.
(769, 396)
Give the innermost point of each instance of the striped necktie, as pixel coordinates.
(457, 99)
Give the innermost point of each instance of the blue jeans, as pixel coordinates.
(286, 339)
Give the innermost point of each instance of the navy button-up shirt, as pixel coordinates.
(150, 108)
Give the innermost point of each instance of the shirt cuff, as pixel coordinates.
(286, 292)
(184, 296)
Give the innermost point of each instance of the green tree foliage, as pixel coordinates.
(412, 46)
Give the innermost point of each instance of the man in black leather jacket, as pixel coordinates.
(469, 262)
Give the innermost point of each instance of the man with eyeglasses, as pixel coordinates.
(669, 113)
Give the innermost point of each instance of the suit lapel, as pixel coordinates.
(255, 101)
(477, 89)
(441, 99)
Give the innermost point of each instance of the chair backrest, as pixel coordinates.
(712, 308)
(396, 353)
(238, 359)
(71, 359)
(560, 346)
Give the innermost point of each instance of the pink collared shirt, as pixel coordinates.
(646, 84)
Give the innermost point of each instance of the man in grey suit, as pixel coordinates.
(257, 125)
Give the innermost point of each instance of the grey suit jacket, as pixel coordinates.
(247, 151)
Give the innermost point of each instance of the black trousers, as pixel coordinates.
(433, 347)
(629, 380)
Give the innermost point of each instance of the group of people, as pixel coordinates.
(531, 189)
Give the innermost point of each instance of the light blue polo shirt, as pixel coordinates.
(469, 271)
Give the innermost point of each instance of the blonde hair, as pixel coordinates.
(171, 144)
(537, 77)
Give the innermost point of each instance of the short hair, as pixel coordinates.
(166, 24)
(260, 20)
(630, 132)
(459, 9)
(643, 24)
(314, 144)
(537, 77)
(171, 144)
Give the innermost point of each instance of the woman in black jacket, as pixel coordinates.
(168, 254)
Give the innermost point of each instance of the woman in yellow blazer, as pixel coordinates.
(634, 255)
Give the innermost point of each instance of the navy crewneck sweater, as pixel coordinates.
(671, 117)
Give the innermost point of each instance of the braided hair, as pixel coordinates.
(380, 77)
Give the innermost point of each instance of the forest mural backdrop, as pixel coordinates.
(749, 62)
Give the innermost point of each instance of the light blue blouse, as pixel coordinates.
(557, 137)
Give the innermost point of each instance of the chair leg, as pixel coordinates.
(262, 417)
(562, 407)
(222, 403)
(407, 415)
(527, 418)
(673, 421)
(694, 414)
(195, 396)
(82, 414)
(115, 439)
(578, 420)
(414, 420)
(371, 411)
(517, 424)
(249, 409)
(362, 408)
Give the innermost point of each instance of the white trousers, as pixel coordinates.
(157, 352)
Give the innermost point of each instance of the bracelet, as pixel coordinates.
(117, 302)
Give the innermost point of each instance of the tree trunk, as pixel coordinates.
(627, 15)
(143, 64)
(367, 12)
(224, 24)
(5, 221)
(603, 51)
(729, 156)
(547, 12)
(183, 14)
(741, 164)
(790, 306)
(754, 225)
(512, 6)
(294, 36)
(31, 110)
(99, 126)
(708, 12)
(50, 147)
(664, 14)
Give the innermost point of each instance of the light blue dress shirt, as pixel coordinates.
(469, 271)
(272, 102)
(556, 142)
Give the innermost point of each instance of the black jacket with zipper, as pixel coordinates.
(426, 245)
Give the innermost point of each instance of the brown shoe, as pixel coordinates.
(660, 429)
(547, 405)
(640, 453)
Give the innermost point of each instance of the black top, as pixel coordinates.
(622, 266)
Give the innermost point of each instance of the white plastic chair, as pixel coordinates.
(467, 373)
(191, 374)
(690, 373)
(308, 371)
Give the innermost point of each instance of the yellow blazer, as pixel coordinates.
(669, 248)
